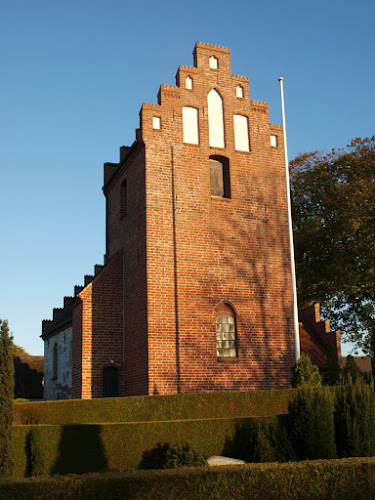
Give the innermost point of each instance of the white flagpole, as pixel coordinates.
(290, 229)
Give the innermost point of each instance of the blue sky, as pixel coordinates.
(74, 75)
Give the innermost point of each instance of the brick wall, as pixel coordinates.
(177, 257)
(203, 251)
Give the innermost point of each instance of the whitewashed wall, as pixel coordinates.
(61, 387)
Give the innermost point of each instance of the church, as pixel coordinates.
(195, 291)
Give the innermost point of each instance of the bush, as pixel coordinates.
(333, 371)
(272, 443)
(312, 424)
(355, 419)
(164, 456)
(351, 370)
(265, 440)
(183, 454)
(6, 400)
(304, 373)
(327, 479)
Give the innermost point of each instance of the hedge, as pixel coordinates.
(340, 479)
(154, 408)
(84, 448)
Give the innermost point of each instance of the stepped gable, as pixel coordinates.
(62, 316)
(316, 336)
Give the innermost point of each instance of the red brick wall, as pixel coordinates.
(98, 330)
(203, 251)
(185, 254)
(127, 233)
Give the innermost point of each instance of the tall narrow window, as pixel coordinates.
(219, 176)
(239, 91)
(215, 120)
(241, 133)
(55, 360)
(188, 83)
(123, 198)
(190, 125)
(226, 335)
(213, 62)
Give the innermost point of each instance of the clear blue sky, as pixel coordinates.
(74, 75)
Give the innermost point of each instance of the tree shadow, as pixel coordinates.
(80, 450)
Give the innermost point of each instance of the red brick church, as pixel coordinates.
(195, 291)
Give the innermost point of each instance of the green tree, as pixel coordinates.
(333, 370)
(304, 373)
(333, 199)
(352, 369)
(355, 419)
(311, 423)
(6, 399)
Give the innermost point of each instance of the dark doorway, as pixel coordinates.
(110, 382)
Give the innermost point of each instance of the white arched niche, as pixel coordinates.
(215, 120)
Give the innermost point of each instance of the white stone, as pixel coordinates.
(218, 460)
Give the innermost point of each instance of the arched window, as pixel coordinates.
(215, 120)
(226, 334)
(219, 176)
(55, 360)
(110, 382)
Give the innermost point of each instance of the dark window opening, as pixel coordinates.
(110, 382)
(219, 176)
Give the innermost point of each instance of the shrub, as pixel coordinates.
(183, 454)
(312, 424)
(261, 441)
(355, 419)
(154, 458)
(333, 371)
(351, 370)
(164, 456)
(6, 400)
(304, 373)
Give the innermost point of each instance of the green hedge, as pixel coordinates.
(154, 408)
(81, 448)
(340, 479)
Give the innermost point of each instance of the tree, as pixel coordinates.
(304, 373)
(333, 199)
(311, 423)
(6, 399)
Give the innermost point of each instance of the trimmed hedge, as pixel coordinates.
(97, 448)
(154, 408)
(341, 479)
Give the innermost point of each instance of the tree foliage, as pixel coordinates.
(305, 374)
(6, 399)
(311, 423)
(333, 198)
